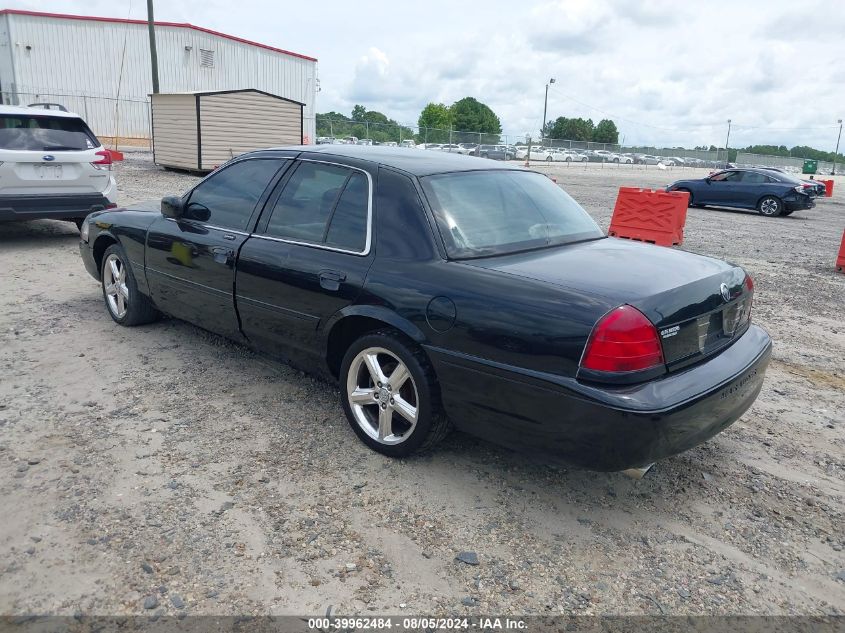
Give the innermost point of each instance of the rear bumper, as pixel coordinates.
(601, 428)
(793, 203)
(52, 206)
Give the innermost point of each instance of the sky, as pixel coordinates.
(668, 73)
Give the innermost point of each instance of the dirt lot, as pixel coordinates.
(164, 469)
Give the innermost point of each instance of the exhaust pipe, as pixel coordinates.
(637, 473)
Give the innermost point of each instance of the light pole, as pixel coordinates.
(727, 140)
(545, 108)
(836, 151)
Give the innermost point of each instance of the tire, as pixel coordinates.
(568, 159)
(78, 222)
(770, 206)
(549, 159)
(379, 355)
(126, 305)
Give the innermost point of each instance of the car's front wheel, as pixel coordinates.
(770, 206)
(549, 159)
(390, 395)
(125, 303)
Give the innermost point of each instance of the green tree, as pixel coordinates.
(572, 129)
(359, 113)
(470, 115)
(606, 132)
(435, 121)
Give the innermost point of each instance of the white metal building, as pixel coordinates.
(100, 67)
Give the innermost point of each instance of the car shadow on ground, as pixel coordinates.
(36, 233)
(733, 210)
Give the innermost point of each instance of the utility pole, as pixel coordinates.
(153, 53)
(545, 108)
(727, 140)
(836, 151)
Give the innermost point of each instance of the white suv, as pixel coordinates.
(51, 166)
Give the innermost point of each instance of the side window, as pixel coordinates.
(348, 226)
(754, 178)
(323, 204)
(231, 194)
(722, 177)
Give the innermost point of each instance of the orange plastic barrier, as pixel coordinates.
(657, 217)
(840, 260)
(828, 188)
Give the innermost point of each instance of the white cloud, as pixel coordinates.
(667, 72)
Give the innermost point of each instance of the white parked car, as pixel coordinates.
(410, 144)
(52, 166)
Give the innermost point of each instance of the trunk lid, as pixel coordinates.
(681, 293)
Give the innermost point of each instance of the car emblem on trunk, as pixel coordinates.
(48, 157)
(726, 294)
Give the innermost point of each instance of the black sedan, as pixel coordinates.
(771, 193)
(445, 290)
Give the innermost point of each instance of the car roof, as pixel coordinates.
(418, 163)
(25, 111)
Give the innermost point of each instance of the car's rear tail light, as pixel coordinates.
(105, 161)
(749, 300)
(623, 341)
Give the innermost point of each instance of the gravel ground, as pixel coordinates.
(163, 469)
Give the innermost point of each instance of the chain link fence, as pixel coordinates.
(788, 163)
(334, 130)
(106, 116)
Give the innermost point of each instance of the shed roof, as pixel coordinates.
(224, 92)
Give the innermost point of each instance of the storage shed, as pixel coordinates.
(201, 130)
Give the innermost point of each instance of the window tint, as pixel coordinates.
(348, 226)
(45, 133)
(755, 178)
(727, 176)
(323, 204)
(232, 193)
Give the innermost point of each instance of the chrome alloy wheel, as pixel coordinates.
(382, 396)
(769, 206)
(114, 285)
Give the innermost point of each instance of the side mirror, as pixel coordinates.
(707, 180)
(171, 207)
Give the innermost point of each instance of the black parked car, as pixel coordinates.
(441, 288)
(771, 193)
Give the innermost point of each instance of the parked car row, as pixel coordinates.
(354, 140)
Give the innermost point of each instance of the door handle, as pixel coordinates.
(331, 279)
(228, 236)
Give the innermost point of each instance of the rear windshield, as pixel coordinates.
(45, 133)
(483, 213)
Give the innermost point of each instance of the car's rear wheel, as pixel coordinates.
(548, 159)
(770, 206)
(125, 303)
(390, 395)
(568, 159)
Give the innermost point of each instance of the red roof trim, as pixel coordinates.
(183, 25)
